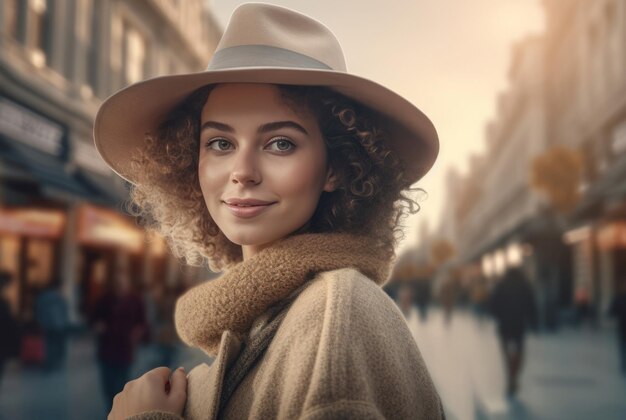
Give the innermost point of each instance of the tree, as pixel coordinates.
(441, 251)
(558, 173)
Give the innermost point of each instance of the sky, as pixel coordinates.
(450, 58)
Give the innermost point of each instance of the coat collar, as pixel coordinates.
(235, 299)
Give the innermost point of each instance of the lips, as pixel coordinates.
(246, 208)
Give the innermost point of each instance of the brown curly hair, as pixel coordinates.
(371, 197)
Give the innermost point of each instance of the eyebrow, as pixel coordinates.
(265, 128)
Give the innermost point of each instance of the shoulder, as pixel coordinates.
(344, 315)
(359, 345)
(347, 295)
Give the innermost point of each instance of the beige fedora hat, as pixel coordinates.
(263, 43)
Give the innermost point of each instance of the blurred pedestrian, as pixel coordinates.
(423, 288)
(618, 310)
(9, 328)
(406, 298)
(448, 296)
(582, 305)
(120, 321)
(512, 303)
(51, 314)
(160, 305)
(479, 296)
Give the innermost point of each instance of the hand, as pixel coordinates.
(152, 392)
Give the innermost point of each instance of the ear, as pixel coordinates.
(331, 181)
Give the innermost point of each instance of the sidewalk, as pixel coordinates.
(569, 375)
(73, 392)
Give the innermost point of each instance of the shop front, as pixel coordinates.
(611, 242)
(109, 244)
(29, 250)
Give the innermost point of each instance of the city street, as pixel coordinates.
(571, 374)
(73, 393)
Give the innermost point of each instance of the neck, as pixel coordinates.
(249, 251)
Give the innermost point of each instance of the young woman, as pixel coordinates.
(279, 167)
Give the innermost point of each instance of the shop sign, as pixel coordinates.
(32, 222)
(86, 156)
(576, 235)
(102, 227)
(612, 236)
(25, 126)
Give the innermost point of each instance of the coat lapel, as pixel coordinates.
(205, 382)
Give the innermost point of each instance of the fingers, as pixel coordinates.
(178, 382)
(163, 373)
(149, 392)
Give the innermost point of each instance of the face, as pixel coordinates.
(262, 164)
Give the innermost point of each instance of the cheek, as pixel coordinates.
(302, 179)
(210, 181)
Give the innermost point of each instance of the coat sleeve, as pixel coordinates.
(155, 415)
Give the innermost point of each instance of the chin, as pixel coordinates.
(250, 238)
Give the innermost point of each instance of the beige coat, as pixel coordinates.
(343, 349)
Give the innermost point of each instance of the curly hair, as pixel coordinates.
(371, 196)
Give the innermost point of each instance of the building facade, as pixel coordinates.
(62, 216)
(586, 106)
(568, 88)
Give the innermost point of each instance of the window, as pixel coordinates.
(11, 18)
(37, 36)
(135, 55)
(88, 33)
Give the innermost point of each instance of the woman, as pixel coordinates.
(288, 172)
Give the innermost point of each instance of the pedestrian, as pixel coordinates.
(9, 327)
(448, 296)
(512, 303)
(119, 320)
(160, 304)
(51, 313)
(406, 298)
(618, 310)
(279, 167)
(478, 296)
(423, 287)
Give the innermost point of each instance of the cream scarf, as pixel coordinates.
(244, 292)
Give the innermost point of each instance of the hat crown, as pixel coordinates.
(297, 39)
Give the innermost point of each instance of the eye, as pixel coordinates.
(281, 144)
(220, 144)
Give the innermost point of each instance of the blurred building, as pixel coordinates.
(61, 209)
(567, 87)
(586, 78)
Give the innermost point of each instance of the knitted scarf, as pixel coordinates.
(244, 292)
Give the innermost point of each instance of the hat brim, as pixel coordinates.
(125, 117)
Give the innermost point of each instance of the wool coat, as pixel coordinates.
(342, 348)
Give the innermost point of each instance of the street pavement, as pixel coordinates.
(74, 392)
(572, 375)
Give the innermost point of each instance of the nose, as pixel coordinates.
(245, 170)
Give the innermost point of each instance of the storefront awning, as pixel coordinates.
(109, 192)
(540, 227)
(610, 186)
(48, 171)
